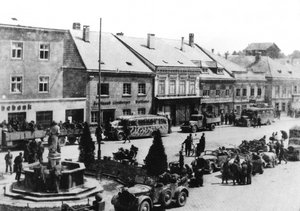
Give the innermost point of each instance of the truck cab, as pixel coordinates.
(293, 152)
(200, 122)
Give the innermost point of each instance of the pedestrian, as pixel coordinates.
(226, 118)
(126, 131)
(202, 143)
(281, 154)
(188, 144)
(8, 161)
(18, 166)
(98, 134)
(40, 151)
(222, 118)
(32, 151)
(258, 121)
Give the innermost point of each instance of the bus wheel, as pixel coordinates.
(120, 136)
(212, 127)
(268, 122)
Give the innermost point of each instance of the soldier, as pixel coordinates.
(18, 166)
(281, 154)
(202, 143)
(188, 144)
(8, 161)
(126, 131)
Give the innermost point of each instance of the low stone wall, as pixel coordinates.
(4, 207)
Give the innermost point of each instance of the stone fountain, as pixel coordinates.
(41, 184)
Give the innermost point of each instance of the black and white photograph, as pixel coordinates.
(150, 105)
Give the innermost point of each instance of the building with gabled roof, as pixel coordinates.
(126, 82)
(266, 49)
(183, 71)
(283, 80)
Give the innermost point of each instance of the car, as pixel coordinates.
(215, 160)
(200, 122)
(147, 192)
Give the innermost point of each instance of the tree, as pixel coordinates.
(86, 146)
(295, 54)
(156, 161)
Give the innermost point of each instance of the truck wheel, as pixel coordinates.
(212, 127)
(145, 206)
(268, 122)
(72, 140)
(62, 141)
(181, 199)
(194, 129)
(166, 198)
(120, 136)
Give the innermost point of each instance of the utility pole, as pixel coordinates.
(99, 91)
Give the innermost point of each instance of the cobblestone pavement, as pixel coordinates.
(276, 189)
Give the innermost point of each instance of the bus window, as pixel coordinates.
(132, 123)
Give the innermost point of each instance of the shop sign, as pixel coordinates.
(141, 101)
(96, 103)
(16, 107)
(121, 102)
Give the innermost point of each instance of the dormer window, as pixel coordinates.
(165, 62)
(290, 72)
(204, 70)
(129, 63)
(279, 71)
(180, 62)
(220, 71)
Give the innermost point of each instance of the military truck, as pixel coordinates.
(200, 122)
(293, 151)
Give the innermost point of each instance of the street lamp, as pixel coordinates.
(99, 92)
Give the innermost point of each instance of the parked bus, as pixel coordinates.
(139, 126)
(249, 116)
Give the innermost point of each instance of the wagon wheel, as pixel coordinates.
(62, 141)
(145, 206)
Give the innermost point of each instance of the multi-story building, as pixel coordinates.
(265, 49)
(187, 80)
(126, 82)
(249, 85)
(282, 80)
(32, 71)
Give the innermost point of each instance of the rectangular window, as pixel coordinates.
(227, 92)
(238, 92)
(244, 92)
(182, 87)
(252, 92)
(192, 86)
(44, 51)
(259, 92)
(16, 84)
(161, 87)
(283, 91)
(17, 50)
(104, 89)
(277, 88)
(44, 118)
(94, 116)
(283, 107)
(295, 89)
(43, 84)
(126, 89)
(141, 111)
(126, 111)
(206, 92)
(218, 92)
(142, 89)
(172, 86)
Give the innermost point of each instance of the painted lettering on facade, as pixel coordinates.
(15, 107)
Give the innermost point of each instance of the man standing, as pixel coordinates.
(188, 145)
(8, 161)
(98, 134)
(126, 131)
(18, 166)
(202, 143)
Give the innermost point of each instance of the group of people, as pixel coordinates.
(33, 151)
(18, 164)
(188, 142)
(277, 146)
(228, 118)
(15, 125)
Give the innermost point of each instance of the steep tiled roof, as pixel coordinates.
(114, 55)
(231, 67)
(272, 68)
(166, 52)
(260, 46)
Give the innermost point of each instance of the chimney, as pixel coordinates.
(182, 44)
(191, 39)
(257, 56)
(86, 33)
(120, 34)
(213, 50)
(226, 55)
(76, 26)
(150, 41)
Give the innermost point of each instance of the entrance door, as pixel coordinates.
(173, 114)
(108, 115)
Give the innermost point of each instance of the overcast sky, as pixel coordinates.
(225, 25)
